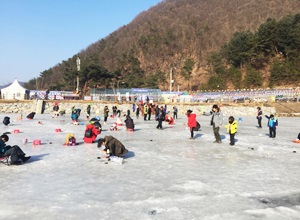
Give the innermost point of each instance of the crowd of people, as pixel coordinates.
(114, 147)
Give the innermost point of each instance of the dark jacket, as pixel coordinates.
(198, 126)
(105, 111)
(115, 147)
(129, 123)
(6, 120)
(55, 108)
(3, 147)
(31, 115)
(161, 115)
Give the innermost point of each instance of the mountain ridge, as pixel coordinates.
(168, 34)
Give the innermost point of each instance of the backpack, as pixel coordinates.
(197, 126)
(88, 133)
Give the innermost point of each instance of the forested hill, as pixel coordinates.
(177, 34)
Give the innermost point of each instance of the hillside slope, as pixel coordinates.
(173, 31)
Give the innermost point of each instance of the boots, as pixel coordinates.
(24, 159)
(15, 162)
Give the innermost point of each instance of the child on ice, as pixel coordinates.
(272, 124)
(231, 128)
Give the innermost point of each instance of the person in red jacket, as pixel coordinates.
(169, 119)
(191, 122)
(91, 132)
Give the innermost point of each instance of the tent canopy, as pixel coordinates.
(14, 91)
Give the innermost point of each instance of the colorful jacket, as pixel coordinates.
(145, 109)
(191, 120)
(272, 122)
(232, 128)
(95, 132)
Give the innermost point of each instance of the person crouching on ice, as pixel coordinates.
(113, 146)
(31, 115)
(129, 123)
(91, 132)
(114, 127)
(169, 119)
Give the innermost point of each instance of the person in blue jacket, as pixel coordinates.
(272, 124)
(75, 114)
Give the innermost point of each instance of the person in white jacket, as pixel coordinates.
(216, 122)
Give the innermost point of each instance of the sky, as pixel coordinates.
(36, 35)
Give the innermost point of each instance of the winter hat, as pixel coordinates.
(215, 106)
(100, 142)
(97, 124)
(5, 137)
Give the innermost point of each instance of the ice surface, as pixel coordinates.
(164, 176)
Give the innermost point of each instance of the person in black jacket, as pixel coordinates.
(161, 118)
(149, 112)
(259, 116)
(6, 120)
(129, 123)
(31, 115)
(88, 112)
(17, 156)
(137, 112)
(55, 110)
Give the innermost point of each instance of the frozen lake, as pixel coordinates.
(165, 175)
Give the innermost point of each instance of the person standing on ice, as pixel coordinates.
(149, 112)
(105, 113)
(161, 118)
(272, 124)
(191, 122)
(175, 111)
(55, 110)
(259, 116)
(216, 122)
(137, 112)
(88, 112)
(231, 128)
(156, 112)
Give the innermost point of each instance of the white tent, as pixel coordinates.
(14, 91)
